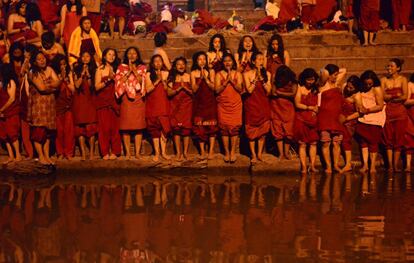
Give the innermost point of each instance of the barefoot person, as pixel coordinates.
(65, 128)
(42, 112)
(9, 115)
(330, 108)
(369, 20)
(282, 110)
(369, 127)
(130, 89)
(180, 93)
(305, 128)
(349, 118)
(117, 10)
(205, 104)
(158, 106)
(84, 109)
(257, 106)
(401, 11)
(70, 15)
(395, 91)
(107, 108)
(228, 86)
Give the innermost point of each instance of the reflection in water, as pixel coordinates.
(331, 218)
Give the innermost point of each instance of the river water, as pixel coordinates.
(220, 219)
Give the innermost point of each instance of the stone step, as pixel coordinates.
(231, 5)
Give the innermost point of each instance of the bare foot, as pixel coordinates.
(210, 156)
(179, 157)
(407, 169)
(113, 157)
(70, 158)
(337, 169)
(156, 158)
(18, 158)
(260, 158)
(106, 157)
(253, 161)
(365, 44)
(233, 158)
(122, 37)
(43, 161)
(364, 169)
(347, 168)
(138, 156)
(83, 158)
(9, 160)
(60, 158)
(166, 157)
(288, 157)
(373, 43)
(313, 169)
(91, 157)
(226, 158)
(328, 171)
(373, 170)
(185, 156)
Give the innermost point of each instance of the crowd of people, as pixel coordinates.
(51, 98)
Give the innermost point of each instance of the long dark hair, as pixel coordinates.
(356, 82)
(78, 4)
(284, 75)
(281, 47)
(196, 55)
(222, 43)
(13, 47)
(369, 74)
(398, 62)
(78, 67)
(55, 64)
(139, 58)
(33, 67)
(114, 64)
(32, 12)
(308, 73)
(174, 72)
(19, 5)
(262, 70)
(241, 49)
(152, 70)
(7, 75)
(234, 67)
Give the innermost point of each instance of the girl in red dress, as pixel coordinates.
(70, 15)
(180, 93)
(282, 110)
(256, 106)
(394, 86)
(305, 128)
(84, 110)
(247, 48)
(18, 27)
(349, 118)
(158, 106)
(9, 115)
(205, 105)
(65, 129)
(409, 135)
(276, 55)
(229, 86)
(107, 108)
(42, 105)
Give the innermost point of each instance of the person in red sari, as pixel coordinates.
(282, 110)
(409, 135)
(394, 86)
(315, 11)
(9, 114)
(158, 106)
(83, 108)
(117, 9)
(130, 89)
(276, 55)
(401, 11)
(370, 125)
(256, 106)
(228, 87)
(216, 50)
(107, 108)
(247, 48)
(305, 126)
(349, 118)
(205, 104)
(65, 129)
(330, 107)
(181, 98)
(369, 20)
(18, 28)
(70, 15)
(42, 106)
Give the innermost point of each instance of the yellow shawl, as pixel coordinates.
(76, 41)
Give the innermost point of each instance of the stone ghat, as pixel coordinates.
(307, 49)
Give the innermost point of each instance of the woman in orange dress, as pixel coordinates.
(84, 109)
(228, 87)
(205, 104)
(42, 112)
(395, 90)
(257, 106)
(70, 15)
(181, 98)
(130, 89)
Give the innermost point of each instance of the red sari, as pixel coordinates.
(395, 122)
(27, 34)
(330, 110)
(65, 128)
(181, 110)
(48, 10)
(288, 10)
(10, 121)
(401, 11)
(348, 108)
(157, 112)
(84, 111)
(369, 15)
(273, 63)
(204, 111)
(229, 110)
(409, 134)
(107, 111)
(305, 126)
(71, 23)
(257, 112)
(282, 112)
(312, 14)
